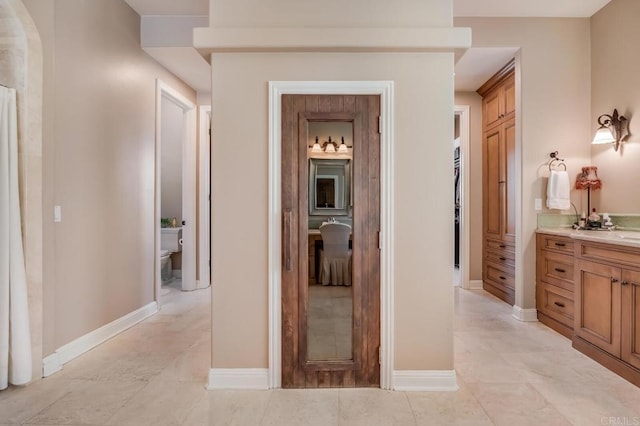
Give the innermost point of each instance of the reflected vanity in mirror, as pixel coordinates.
(330, 294)
(329, 187)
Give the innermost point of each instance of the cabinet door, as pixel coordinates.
(509, 90)
(493, 107)
(631, 317)
(493, 176)
(598, 310)
(509, 180)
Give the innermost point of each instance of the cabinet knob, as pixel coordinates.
(502, 277)
(503, 246)
(503, 258)
(624, 282)
(614, 280)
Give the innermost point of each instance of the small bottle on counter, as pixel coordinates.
(583, 220)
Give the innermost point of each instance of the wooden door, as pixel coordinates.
(631, 317)
(597, 314)
(493, 176)
(493, 107)
(362, 369)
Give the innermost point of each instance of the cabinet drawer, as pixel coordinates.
(501, 275)
(556, 243)
(556, 269)
(499, 245)
(555, 302)
(501, 257)
(609, 253)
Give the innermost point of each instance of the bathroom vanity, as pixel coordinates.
(588, 289)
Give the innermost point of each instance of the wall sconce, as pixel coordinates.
(330, 147)
(613, 129)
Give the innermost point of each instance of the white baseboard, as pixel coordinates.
(54, 362)
(475, 284)
(51, 364)
(238, 378)
(525, 315)
(425, 380)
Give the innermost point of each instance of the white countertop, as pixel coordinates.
(623, 238)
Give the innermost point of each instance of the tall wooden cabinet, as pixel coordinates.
(498, 183)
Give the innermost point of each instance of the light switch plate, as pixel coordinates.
(538, 204)
(57, 214)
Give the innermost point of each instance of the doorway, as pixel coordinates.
(330, 329)
(176, 127)
(461, 193)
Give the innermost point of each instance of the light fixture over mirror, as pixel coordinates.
(329, 147)
(614, 129)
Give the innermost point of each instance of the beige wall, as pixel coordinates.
(553, 70)
(615, 36)
(423, 120)
(423, 253)
(99, 118)
(474, 221)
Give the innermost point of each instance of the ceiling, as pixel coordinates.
(475, 67)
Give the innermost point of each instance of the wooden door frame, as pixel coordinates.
(385, 90)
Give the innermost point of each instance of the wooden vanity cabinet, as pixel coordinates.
(607, 311)
(498, 183)
(555, 282)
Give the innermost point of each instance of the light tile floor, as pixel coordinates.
(330, 320)
(510, 373)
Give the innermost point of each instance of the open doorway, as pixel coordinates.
(175, 217)
(461, 196)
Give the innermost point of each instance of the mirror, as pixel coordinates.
(330, 300)
(329, 187)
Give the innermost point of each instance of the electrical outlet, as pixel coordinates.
(538, 204)
(57, 214)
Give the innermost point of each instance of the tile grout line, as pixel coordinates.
(413, 413)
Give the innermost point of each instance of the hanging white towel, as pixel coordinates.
(558, 190)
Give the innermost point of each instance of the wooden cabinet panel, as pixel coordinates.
(554, 282)
(509, 184)
(492, 184)
(504, 258)
(493, 109)
(498, 245)
(556, 269)
(598, 309)
(631, 318)
(609, 253)
(510, 96)
(556, 303)
(556, 243)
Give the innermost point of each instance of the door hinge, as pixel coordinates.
(379, 355)
(380, 124)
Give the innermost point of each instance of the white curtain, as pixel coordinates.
(15, 341)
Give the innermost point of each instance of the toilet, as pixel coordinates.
(170, 242)
(165, 266)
